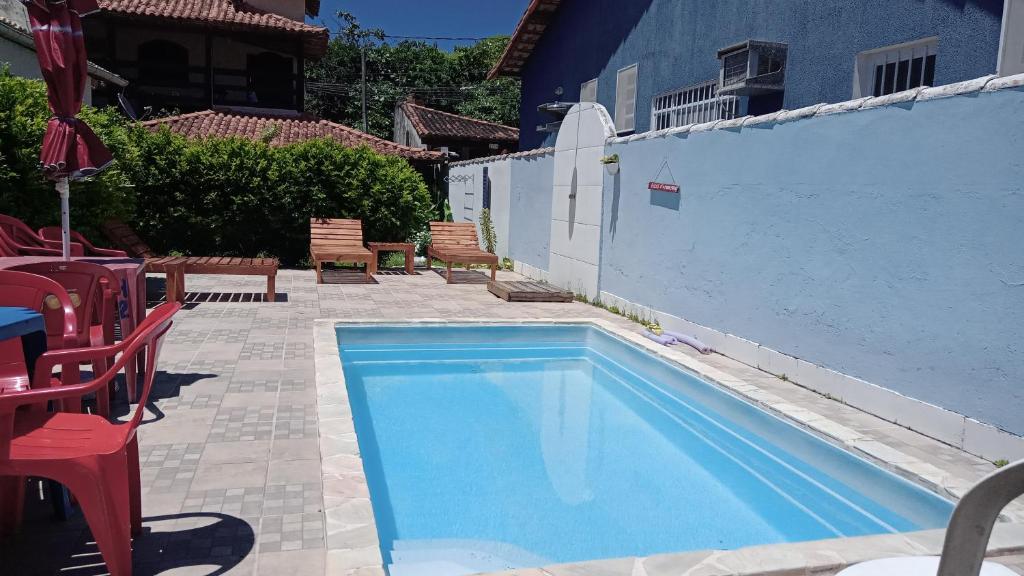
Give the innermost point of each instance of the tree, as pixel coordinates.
(451, 81)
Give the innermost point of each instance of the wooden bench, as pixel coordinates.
(338, 240)
(457, 242)
(175, 267)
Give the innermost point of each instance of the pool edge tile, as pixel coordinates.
(789, 558)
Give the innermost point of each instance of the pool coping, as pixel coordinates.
(351, 534)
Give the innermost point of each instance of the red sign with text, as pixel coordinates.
(662, 187)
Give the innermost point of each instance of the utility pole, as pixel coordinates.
(363, 54)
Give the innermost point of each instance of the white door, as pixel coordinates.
(577, 198)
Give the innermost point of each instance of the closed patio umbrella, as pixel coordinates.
(70, 148)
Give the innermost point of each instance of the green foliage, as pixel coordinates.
(644, 318)
(26, 194)
(237, 197)
(487, 229)
(611, 159)
(229, 197)
(1001, 462)
(451, 81)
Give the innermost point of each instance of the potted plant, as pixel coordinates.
(611, 164)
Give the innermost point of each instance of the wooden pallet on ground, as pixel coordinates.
(528, 292)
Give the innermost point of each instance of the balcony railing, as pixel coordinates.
(692, 105)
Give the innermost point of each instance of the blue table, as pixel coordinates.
(17, 322)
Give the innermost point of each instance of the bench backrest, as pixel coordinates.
(335, 233)
(454, 235)
(126, 239)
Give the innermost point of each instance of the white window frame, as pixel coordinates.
(583, 89)
(631, 112)
(692, 105)
(864, 67)
(1011, 39)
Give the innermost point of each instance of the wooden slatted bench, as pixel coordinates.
(175, 267)
(528, 292)
(338, 240)
(457, 242)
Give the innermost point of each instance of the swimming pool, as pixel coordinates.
(489, 447)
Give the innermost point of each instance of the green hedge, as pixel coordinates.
(26, 194)
(230, 197)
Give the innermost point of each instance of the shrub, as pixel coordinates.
(26, 194)
(487, 230)
(235, 197)
(217, 196)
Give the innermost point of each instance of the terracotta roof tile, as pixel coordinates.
(430, 123)
(296, 128)
(221, 14)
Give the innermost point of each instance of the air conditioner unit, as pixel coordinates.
(753, 67)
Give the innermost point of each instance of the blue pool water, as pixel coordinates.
(493, 447)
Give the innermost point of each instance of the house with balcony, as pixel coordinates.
(657, 64)
(220, 68)
(186, 56)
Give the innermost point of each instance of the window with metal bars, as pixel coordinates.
(692, 105)
(895, 68)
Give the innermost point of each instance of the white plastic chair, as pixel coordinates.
(963, 551)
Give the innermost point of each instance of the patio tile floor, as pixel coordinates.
(230, 451)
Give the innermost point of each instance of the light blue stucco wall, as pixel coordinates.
(887, 244)
(675, 43)
(530, 218)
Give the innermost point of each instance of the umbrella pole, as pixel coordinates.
(65, 219)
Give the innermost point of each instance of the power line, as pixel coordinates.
(455, 38)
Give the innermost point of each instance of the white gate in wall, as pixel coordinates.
(576, 203)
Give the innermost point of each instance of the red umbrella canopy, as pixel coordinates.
(70, 148)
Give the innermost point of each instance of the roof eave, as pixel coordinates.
(433, 137)
(524, 39)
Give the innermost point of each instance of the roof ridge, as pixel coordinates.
(348, 135)
(460, 116)
(176, 117)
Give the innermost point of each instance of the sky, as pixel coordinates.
(449, 18)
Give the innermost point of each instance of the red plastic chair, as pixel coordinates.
(95, 288)
(51, 300)
(53, 233)
(25, 242)
(96, 459)
(8, 247)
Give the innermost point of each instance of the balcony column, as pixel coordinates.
(209, 71)
(300, 81)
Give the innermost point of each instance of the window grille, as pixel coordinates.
(896, 68)
(692, 105)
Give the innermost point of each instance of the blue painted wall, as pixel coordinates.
(885, 243)
(530, 217)
(676, 41)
